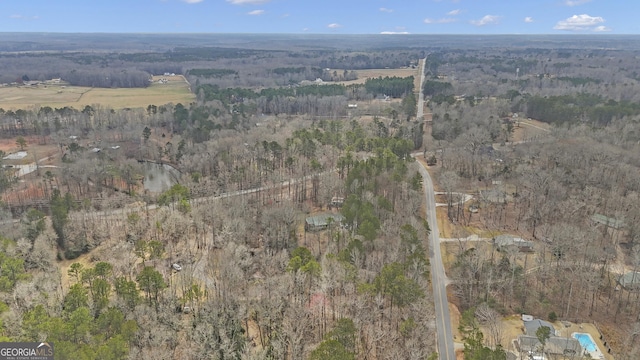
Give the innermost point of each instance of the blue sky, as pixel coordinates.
(323, 16)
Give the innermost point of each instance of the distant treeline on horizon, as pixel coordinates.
(37, 41)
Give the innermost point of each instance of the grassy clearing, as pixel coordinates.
(175, 90)
(529, 129)
(363, 75)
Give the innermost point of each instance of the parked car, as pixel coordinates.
(176, 267)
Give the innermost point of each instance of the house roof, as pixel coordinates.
(630, 279)
(532, 326)
(495, 195)
(511, 240)
(607, 221)
(563, 345)
(323, 219)
(554, 345)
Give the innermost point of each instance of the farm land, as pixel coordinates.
(174, 90)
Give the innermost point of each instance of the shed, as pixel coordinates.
(336, 202)
(322, 221)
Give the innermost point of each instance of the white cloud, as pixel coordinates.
(528, 19)
(256, 12)
(305, 29)
(394, 33)
(244, 2)
(486, 20)
(386, 10)
(579, 23)
(439, 21)
(575, 2)
(285, 16)
(25, 18)
(454, 12)
(334, 26)
(602, 28)
(192, 1)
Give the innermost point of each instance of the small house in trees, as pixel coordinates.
(322, 221)
(613, 223)
(503, 242)
(495, 195)
(630, 280)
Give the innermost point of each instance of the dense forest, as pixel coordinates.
(225, 263)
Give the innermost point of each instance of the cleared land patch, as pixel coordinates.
(528, 129)
(174, 90)
(363, 75)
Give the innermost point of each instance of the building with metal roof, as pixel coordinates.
(506, 241)
(322, 221)
(630, 280)
(607, 221)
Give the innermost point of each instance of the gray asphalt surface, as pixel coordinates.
(438, 276)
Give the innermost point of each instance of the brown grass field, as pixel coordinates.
(176, 90)
(363, 75)
(529, 129)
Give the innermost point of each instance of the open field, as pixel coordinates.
(175, 90)
(528, 129)
(35, 149)
(363, 75)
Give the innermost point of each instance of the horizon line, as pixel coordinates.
(318, 33)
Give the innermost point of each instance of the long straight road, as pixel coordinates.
(438, 277)
(420, 112)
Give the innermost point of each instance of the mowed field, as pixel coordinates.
(363, 75)
(175, 90)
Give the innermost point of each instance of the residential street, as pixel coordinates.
(438, 277)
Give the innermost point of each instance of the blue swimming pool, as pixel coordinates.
(586, 341)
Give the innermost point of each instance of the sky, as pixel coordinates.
(323, 16)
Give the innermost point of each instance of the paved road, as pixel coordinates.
(420, 113)
(438, 277)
